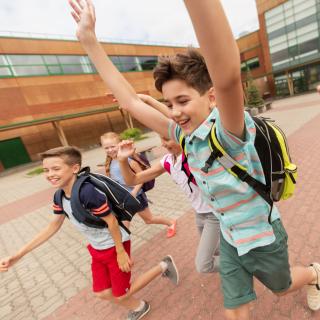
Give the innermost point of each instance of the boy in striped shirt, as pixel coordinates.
(250, 245)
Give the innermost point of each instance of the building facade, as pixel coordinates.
(285, 51)
(51, 95)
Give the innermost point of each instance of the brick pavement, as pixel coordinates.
(53, 282)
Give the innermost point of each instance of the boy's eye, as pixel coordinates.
(183, 102)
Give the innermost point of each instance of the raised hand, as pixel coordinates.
(83, 14)
(126, 149)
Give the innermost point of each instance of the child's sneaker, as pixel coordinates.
(135, 315)
(171, 231)
(172, 272)
(313, 293)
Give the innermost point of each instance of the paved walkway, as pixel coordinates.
(53, 282)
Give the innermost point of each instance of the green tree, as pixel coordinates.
(254, 98)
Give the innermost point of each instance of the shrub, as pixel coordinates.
(254, 98)
(131, 133)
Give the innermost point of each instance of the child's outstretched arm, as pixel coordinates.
(83, 13)
(126, 150)
(222, 57)
(155, 104)
(39, 239)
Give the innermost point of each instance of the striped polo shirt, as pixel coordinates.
(243, 214)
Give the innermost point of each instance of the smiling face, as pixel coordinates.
(59, 173)
(189, 108)
(172, 146)
(110, 146)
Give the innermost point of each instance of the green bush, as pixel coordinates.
(131, 133)
(254, 98)
(35, 172)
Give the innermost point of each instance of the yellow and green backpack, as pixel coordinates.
(272, 147)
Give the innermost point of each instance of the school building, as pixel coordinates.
(284, 54)
(51, 95)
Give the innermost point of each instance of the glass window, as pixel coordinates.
(280, 56)
(279, 47)
(3, 61)
(273, 12)
(147, 63)
(5, 72)
(253, 63)
(72, 69)
(50, 59)
(24, 59)
(54, 69)
(308, 28)
(309, 46)
(305, 13)
(305, 6)
(128, 64)
(29, 70)
(70, 59)
(278, 40)
(307, 36)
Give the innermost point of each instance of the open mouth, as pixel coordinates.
(183, 123)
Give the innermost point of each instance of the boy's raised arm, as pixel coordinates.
(39, 239)
(221, 54)
(83, 13)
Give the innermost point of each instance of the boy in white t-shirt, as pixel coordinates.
(207, 256)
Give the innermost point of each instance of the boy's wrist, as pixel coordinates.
(87, 37)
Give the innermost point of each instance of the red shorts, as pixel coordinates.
(106, 273)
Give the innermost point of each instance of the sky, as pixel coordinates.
(151, 21)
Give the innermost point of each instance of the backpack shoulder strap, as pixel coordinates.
(234, 167)
(166, 165)
(58, 205)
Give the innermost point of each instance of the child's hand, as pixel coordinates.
(124, 261)
(126, 149)
(6, 263)
(84, 15)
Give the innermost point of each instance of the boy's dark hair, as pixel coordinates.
(71, 155)
(189, 66)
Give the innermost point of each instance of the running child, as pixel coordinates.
(250, 246)
(109, 142)
(109, 247)
(207, 256)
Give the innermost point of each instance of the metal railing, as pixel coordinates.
(46, 36)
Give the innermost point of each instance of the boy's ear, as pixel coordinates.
(76, 168)
(212, 96)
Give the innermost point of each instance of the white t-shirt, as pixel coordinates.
(181, 179)
(99, 238)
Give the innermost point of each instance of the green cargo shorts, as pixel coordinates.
(269, 264)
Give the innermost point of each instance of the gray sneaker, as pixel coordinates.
(172, 272)
(135, 315)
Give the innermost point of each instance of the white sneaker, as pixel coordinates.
(313, 292)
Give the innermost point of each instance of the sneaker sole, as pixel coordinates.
(175, 267)
(149, 307)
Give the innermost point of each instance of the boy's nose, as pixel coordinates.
(175, 113)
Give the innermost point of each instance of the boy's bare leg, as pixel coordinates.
(240, 313)
(129, 302)
(145, 279)
(301, 276)
(149, 218)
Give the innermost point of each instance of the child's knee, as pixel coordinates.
(105, 294)
(148, 220)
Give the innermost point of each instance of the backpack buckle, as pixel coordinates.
(206, 167)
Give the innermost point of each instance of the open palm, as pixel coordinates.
(84, 15)
(126, 149)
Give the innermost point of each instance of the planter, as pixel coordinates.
(268, 105)
(253, 111)
(262, 109)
